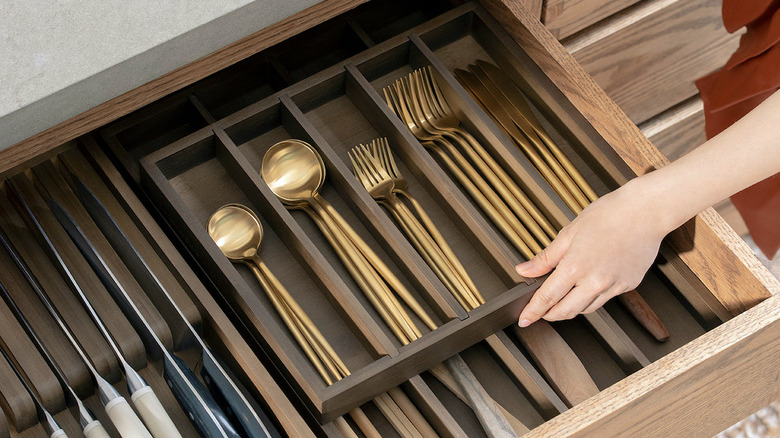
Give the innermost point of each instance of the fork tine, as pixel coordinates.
(389, 158)
(373, 166)
(357, 170)
(366, 165)
(426, 80)
(438, 95)
(425, 100)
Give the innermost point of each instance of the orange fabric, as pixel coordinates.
(750, 76)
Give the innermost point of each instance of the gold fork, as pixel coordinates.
(380, 149)
(381, 187)
(487, 199)
(436, 115)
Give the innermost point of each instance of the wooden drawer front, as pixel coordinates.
(566, 17)
(646, 58)
(677, 131)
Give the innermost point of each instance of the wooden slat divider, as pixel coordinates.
(202, 110)
(15, 400)
(52, 184)
(432, 408)
(397, 246)
(126, 338)
(221, 335)
(74, 163)
(63, 299)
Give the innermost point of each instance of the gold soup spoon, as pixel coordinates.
(295, 172)
(238, 233)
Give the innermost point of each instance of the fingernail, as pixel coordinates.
(524, 323)
(522, 267)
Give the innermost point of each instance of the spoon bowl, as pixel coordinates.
(236, 230)
(293, 170)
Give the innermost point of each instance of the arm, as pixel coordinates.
(610, 246)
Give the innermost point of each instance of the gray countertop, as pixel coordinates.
(60, 58)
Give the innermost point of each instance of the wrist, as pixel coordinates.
(653, 198)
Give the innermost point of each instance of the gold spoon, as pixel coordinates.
(237, 231)
(294, 171)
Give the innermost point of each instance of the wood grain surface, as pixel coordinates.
(647, 58)
(677, 130)
(709, 251)
(566, 17)
(695, 391)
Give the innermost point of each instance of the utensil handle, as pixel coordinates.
(410, 410)
(59, 434)
(644, 314)
(377, 263)
(194, 398)
(557, 362)
(344, 428)
(392, 412)
(490, 415)
(359, 267)
(443, 245)
(492, 206)
(521, 205)
(95, 430)
(432, 255)
(153, 413)
(124, 419)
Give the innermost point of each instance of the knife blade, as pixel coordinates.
(255, 424)
(201, 408)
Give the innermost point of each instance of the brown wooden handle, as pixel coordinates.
(558, 362)
(644, 314)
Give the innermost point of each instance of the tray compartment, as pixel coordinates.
(361, 212)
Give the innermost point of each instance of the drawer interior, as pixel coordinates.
(200, 148)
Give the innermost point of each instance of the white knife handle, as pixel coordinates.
(59, 434)
(153, 413)
(126, 422)
(95, 430)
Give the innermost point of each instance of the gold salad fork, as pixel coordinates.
(375, 178)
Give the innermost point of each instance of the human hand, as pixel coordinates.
(602, 253)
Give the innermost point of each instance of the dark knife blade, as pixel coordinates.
(204, 412)
(254, 423)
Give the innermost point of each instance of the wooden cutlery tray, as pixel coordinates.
(200, 147)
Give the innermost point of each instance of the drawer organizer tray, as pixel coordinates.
(200, 147)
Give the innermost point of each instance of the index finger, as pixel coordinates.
(549, 293)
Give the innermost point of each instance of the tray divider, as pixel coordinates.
(492, 247)
(377, 222)
(432, 408)
(285, 225)
(227, 280)
(361, 33)
(202, 110)
(539, 392)
(495, 141)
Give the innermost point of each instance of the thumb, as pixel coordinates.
(543, 262)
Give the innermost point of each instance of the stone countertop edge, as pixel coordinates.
(60, 105)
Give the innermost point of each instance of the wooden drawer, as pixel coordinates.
(708, 282)
(567, 17)
(647, 56)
